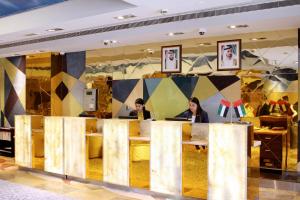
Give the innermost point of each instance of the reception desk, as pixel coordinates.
(169, 157)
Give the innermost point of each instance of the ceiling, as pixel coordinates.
(76, 15)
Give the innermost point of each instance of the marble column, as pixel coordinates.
(23, 141)
(75, 147)
(54, 145)
(116, 151)
(227, 165)
(166, 154)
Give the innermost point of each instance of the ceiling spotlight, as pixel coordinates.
(204, 44)
(255, 39)
(296, 62)
(151, 51)
(175, 33)
(31, 34)
(121, 17)
(238, 26)
(163, 11)
(54, 29)
(107, 42)
(113, 41)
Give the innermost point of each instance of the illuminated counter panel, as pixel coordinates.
(29, 141)
(23, 141)
(54, 145)
(116, 134)
(227, 168)
(165, 161)
(74, 147)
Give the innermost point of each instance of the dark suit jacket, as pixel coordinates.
(202, 118)
(146, 114)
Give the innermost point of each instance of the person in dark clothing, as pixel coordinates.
(140, 110)
(195, 112)
(264, 109)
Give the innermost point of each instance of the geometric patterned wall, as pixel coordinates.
(67, 84)
(13, 97)
(125, 92)
(168, 97)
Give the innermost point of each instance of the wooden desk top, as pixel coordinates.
(270, 131)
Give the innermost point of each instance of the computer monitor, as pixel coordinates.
(128, 117)
(176, 119)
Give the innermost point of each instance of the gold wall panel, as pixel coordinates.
(227, 166)
(165, 161)
(75, 147)
(54, 145)
(23, 141)
(116, 151)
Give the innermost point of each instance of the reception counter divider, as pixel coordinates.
(152, 155)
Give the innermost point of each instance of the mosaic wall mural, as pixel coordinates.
(13, 89)
(270, 54)
(67, 83)
(272, 57)
(168, 97)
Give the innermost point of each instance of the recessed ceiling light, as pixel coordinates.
(121, 17)
(54, 29)
(163, 11)
(151, 51)
(113, 41)
(296, 62)
(31, 34)
(175, 33)
(238, 26)
(107, 42)
(255, 39)
(204, 44)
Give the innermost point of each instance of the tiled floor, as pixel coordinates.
(257, 188)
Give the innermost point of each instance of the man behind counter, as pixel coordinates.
(140, 110)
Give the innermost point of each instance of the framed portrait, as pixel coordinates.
(171, 59)
(229, 55)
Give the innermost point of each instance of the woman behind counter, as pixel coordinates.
(195, 112)
(140, 110)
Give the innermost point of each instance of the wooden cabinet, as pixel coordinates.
(273, 148)
(7, 142)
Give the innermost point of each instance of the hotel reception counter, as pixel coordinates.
(169, 157)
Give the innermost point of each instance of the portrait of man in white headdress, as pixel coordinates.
(171, 59)
(228, 55)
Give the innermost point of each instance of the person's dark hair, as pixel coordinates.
(286, 98)
(196, 101)
(141, 102)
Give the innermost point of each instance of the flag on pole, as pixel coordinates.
(283, 105)
(239, 108)
(223, 108)
(272, 106)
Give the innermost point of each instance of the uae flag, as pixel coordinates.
(283, 105)
(239, 108)
(223, 108)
